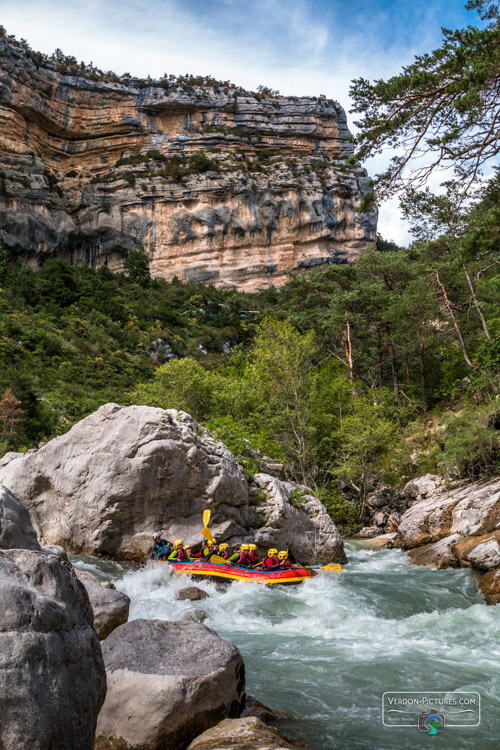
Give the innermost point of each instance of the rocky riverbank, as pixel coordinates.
(443, 525)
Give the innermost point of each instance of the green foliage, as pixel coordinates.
(442, 109)
(472, 443)
(136, 267)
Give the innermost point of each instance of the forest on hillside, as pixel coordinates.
(352, 376)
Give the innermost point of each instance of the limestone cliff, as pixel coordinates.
(216, 184)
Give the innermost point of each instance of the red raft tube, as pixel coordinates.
(218, 571)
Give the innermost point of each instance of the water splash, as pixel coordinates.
(326, 650)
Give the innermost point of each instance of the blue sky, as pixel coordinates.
(296, 46)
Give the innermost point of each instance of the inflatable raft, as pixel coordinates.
(227, 572)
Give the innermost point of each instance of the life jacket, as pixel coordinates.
(270, 563)
(243, 559)
(253, 558)
(225, 554)
(181, 554)
(286, 564)
(214, 549)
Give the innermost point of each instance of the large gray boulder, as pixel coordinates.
(110, 606)
(167, 683)
(16, 531)
(296, 520)
(124, 472)
(52, 677)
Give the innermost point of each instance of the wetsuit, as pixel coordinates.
(160, 549)
(253, 558)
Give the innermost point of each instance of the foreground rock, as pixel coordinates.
(241, 734)
(52, 678)
(16, 531)
(167, 683)
(110, 607)
(123, 472)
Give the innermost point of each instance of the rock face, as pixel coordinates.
(110, 607)
(52, 678)
(467, 510)
(167, 683)
(16, 531)
(122, 473)
(298, 521)
(456, 527)
(241, 734)
(91, 170)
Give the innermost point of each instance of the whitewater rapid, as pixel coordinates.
(326, 651)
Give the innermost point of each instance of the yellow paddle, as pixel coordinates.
(218, 559)
(206, 531)
(332, 567)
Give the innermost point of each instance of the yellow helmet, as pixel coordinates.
(282, 555)
(252, 547)
(178, 543)
(223, 546)
(187, 546)
(271, 552)
(244, 547)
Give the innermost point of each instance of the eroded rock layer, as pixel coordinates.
(216, 184)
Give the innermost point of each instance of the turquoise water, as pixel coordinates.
(326, 651)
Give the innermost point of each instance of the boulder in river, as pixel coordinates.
(16, 530)
(242, 734)
(110, 606)
(52, 677)
(122, 473)
(167, 683)
(193, 593)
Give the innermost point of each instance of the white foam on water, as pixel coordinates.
(327, 649)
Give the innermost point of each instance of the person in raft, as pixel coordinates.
(161, 548)
(241, 558)
(252, 554)
(272, 561)
(285, 562)
(181, 553)
(224, 551)
(207, 550)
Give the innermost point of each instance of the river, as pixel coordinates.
(327, 650)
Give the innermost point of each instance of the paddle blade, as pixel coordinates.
(335, 567)
(207, 534)
(218, 559)
(206, 517)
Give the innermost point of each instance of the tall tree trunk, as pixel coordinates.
(422, 374)
(456, 326)
(394, 368)
(476, 303)
(380, 359)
